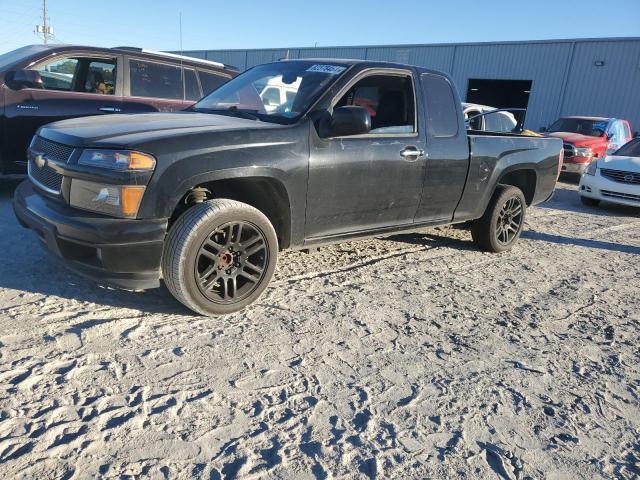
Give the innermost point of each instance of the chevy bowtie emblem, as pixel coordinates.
(39, 161)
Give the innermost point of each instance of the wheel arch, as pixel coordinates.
(523, 178)
(260, 188)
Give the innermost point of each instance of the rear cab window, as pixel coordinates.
(440, 105)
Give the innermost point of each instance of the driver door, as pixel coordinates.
(370, 181)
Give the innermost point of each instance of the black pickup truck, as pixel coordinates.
(291, 154)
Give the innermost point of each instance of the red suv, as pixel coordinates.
(586, 138)
(40, 84)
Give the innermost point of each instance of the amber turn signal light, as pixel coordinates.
(131, 198)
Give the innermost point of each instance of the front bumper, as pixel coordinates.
(123, 253)
(601, 188)
(572, 167)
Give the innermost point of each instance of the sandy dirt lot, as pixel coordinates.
(407, 357)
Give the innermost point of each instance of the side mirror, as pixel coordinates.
(543, 129)
(24, 79)
(609, 135)
(346, 121)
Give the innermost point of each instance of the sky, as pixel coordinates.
(154, 24)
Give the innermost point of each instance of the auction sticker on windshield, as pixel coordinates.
(330, 69)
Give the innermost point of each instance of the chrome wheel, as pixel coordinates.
(231, 262)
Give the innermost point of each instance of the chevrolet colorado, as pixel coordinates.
(206, 198)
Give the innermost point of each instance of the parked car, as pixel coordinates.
(492, 119)
(40, 84)
(615, 178)
(586, 138)
(206, 199)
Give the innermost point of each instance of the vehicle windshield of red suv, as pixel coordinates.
(277, 92)
(591, 128)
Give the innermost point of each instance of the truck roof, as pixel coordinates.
(354, 61)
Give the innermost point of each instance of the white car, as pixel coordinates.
(614, 178)
(279, 95)
(500, 121)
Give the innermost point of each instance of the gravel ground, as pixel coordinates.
(407, 357)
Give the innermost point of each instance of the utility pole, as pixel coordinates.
(45, 29)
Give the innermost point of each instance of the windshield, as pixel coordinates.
(277, 92)
(591, 128)
(11, 58)
(631, 149)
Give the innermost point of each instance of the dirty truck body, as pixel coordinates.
(216, 184)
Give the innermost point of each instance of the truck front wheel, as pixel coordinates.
(219, 256)
(500, 226)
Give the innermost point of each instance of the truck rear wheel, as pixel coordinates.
(502, 222)
(219, 256)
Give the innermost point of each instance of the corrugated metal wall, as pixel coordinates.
(566, 80)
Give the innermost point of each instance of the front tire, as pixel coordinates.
(501, 225)
(589, 202)
(219, 256)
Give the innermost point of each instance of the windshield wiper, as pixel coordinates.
(242, 113)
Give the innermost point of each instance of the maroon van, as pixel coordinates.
(40, 84)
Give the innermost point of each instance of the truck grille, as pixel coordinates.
(624, 196)
(620, 176)
(569, 150)
(45, 177)
(51, 150)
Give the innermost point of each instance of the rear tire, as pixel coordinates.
(590, 202)
(501, 225)
(219, 256)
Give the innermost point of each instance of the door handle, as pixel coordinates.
(110, 109)
(412, 153)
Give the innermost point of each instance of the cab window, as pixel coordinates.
(389, 100)
(191, 88)
(441, 108)
(79, 74)
(59, 74)
(156, 80)
(210, 81)
(100, 77)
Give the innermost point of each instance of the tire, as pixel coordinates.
(590, 202)
(496, 231)
(219, 256)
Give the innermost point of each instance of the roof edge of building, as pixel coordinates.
(414, 45)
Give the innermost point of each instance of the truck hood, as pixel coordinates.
(123, 130)
(580, 140)
(626, 164)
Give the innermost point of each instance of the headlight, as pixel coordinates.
(591, 169)
(584, 152)
(114, 200)
(122, 160)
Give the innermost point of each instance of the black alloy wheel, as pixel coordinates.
(509, 220)
(231, 262)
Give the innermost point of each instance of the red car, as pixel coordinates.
(40, 84)
(586, 138)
